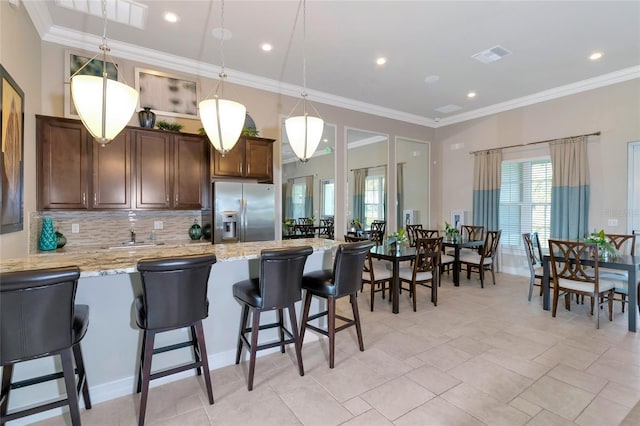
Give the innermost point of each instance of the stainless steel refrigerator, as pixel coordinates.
(243, 212)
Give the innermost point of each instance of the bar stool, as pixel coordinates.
(38, 319)
(174, 296)
(344, 280)
(278, 287)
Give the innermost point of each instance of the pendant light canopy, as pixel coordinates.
(304, 132)
(222, 119)
(105, 106)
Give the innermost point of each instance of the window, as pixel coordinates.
(327, 198)
(525, 201)
(298, 192)
(373, 199)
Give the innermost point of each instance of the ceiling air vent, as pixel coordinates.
(448, 108)
(491, 55)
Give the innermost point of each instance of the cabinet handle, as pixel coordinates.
(176, 198)
(84, 198)
(95, 198)
(167, 199)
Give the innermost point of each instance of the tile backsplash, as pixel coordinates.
(113, 227)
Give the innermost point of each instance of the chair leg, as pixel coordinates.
(82, 376)
(532, 280)
(356, 318)
(255, 326)
(493, 275)
(373, 293)
(202, 347)
(296, 337)
(597, 312)
(305, 316)
(7, 372)
(331, 330)
(611, 306)
(555, 304)
(624, 300)
(244, 316)
(434, 290)
(149, 337)
(194, 346)
(70, 384)
(281, 329)
(592, 303)
(142, 352)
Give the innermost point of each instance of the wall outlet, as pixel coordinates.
(158, 224)
(612, 222)
(75, 228)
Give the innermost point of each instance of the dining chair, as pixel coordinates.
(625, 244)
(376, 273)
(571, 276)
(534, 257)
(485, 260)
(411, 233)
(376, 234)
(425, 269)
(446, 259)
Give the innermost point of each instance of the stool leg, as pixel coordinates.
(305, 316)
(70, 384)
(244, 316)
(142, 352)
(202, 347)
(254, 344)
(149, 336)
(281, 329)
(194, 345)
(331, 302)
(356, 318)
(7, 372)
(296, 337)
(82, 376)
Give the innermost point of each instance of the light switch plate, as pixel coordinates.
(612, 222)
(158, 224)
(75, 228)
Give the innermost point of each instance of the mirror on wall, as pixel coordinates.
(308, 188)
(413, 162)
(367, 177)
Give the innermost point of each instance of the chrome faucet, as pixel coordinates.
(132, 235)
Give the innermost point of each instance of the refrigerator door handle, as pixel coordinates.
(243, 206)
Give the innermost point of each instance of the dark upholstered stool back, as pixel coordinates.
(281, 275)
(37, 312)
(347, 267)
(174, 291)
(38, 318)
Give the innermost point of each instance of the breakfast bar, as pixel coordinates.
(109, 282)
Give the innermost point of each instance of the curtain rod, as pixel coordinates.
(534, 143)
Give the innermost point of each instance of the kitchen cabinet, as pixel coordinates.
(251, 157)
(140, 169)
(171, 171)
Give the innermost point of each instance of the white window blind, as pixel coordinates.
(373, 199)
(525, 201)
(298, 191)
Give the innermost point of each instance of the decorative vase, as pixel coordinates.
(195, 232)
(61, 240)
(147, 118)
(48, 240)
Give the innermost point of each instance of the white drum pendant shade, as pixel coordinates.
(223, 121)
(297, 128)
(122, 100)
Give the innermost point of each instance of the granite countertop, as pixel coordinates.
(123, 261)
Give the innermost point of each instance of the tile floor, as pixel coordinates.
(481, 357)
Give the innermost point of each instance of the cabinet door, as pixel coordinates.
(190, 172)
(153, 170)
(259, 159)
(63, 159)
(231, 165)
(112, 174)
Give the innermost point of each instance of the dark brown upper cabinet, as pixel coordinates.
(251, 157)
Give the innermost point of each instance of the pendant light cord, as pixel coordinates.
(304, 48)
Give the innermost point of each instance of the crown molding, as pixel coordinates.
(39, 15)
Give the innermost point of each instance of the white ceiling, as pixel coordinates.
(550, 43)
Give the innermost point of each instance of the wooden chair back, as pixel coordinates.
(473, 233)
(625, 244)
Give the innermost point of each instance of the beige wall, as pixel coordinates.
(20, 56)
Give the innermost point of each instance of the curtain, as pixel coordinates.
(486, 189)
(288, 200)
(400, 186)
(359, 177)
(308, 197)
(570, 188)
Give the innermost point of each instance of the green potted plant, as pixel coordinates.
(605, 248)
(356, 225)
(451, 232)
(398, 238)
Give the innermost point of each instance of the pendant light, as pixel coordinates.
(105, 106)
(222, 119)
(304, 132)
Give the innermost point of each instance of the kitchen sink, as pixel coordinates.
(128, 245)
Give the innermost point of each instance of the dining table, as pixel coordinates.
(621, 262)
(394, 253)
(458, 243)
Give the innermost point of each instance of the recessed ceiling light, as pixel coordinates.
(266, 47)
(381, 60)
(170, 17)
(430, 79)
(471, 95)
(595, 56)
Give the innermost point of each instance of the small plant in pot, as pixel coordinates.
(165, 125)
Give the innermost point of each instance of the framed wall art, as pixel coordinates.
(11, 160)
(167, 94)
(72, 63)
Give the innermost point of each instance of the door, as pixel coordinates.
(227, 197)
(258, 219)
